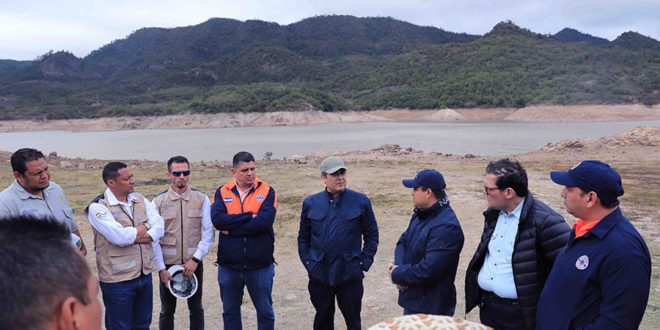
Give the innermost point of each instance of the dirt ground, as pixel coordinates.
(550, 113)
(378, 173)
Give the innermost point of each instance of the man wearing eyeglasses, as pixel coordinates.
(521, 239)
(334, 223)
(188, 237)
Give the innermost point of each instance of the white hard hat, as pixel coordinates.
(181, 287)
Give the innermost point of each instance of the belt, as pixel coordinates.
(499, 300)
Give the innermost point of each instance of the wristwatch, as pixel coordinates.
(147, 225)
(196, 260)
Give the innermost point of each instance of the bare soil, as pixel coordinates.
(378, 173)
(553, 113)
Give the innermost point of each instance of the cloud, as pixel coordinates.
(31, 28)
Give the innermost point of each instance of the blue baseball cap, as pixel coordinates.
(592, 175)
(427, 178)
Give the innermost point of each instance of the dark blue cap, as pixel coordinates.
(592, 175)
(427, 178)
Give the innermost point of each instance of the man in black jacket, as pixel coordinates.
(521, 239)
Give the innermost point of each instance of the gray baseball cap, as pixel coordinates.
(332, 164)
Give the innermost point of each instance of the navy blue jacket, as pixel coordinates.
(600, 280)
(330, 237)
(250, 242)
(427, 257)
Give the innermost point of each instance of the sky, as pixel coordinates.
(31, 28)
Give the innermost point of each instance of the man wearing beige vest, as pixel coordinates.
(124, 224)
(188, 237)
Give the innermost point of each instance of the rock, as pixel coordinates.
(67, 164)
(52, 155)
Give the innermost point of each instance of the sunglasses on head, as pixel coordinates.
(177, 173)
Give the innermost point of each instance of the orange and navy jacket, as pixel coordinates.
(250, 242)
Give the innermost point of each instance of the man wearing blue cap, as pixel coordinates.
(601, 279)
(337, 242)
(426, 255)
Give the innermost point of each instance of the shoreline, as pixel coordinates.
(537, 113)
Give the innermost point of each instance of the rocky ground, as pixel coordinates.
(574, 113)
(378, 173)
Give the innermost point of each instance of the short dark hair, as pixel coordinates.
(605, 203)
(439, 194)
(111, 171)
(510, 174)
(176, 159)
(40, 268)
(22, 156)
(241, 157)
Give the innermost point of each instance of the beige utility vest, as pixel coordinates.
(122, 263)
(183, 224)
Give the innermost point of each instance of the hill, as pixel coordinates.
(328, 63)
(573, 35)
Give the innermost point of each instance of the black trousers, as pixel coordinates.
(168, 304)
(500, 313)
(349, 299)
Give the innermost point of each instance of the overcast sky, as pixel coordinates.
(29, 28)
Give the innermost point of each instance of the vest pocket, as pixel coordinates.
(122, 264)
(168, 245)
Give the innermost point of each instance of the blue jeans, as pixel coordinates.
(128, 304)
(259, 283)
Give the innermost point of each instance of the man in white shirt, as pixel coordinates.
(188, 237)
(125, 224)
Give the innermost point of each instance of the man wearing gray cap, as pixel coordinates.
(601, 279)
(426, 255)
(333, 224)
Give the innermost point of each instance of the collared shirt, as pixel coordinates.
(208, 235)
(16, 201)
(496, 275)
(102, 220)
(242, 193)
(581, 228)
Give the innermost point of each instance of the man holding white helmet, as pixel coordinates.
(188, 237)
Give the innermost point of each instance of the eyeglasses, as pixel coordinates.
(177, 173)
(488, 189)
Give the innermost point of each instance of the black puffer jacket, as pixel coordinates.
(542, 232)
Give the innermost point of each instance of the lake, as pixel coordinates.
(477, 138)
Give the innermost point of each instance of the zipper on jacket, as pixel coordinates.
(181, 210)
(139, 244)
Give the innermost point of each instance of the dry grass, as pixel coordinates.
(381, 181)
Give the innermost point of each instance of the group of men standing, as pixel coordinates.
(530, 270)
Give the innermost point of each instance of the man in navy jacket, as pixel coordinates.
(426, 256)
(601, 279)
(333, 224)
(243, 211)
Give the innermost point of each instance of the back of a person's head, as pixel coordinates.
(39, 269)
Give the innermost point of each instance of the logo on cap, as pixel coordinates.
(582, 263)
(227, 199)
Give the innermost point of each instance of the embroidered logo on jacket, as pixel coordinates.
(228, 199)
(260, 198)
(582, 263)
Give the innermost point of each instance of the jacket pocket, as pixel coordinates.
(168, 245)
(314, 265)
(122, 262)
(351, 215)
(194, 213)
(352, 266)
